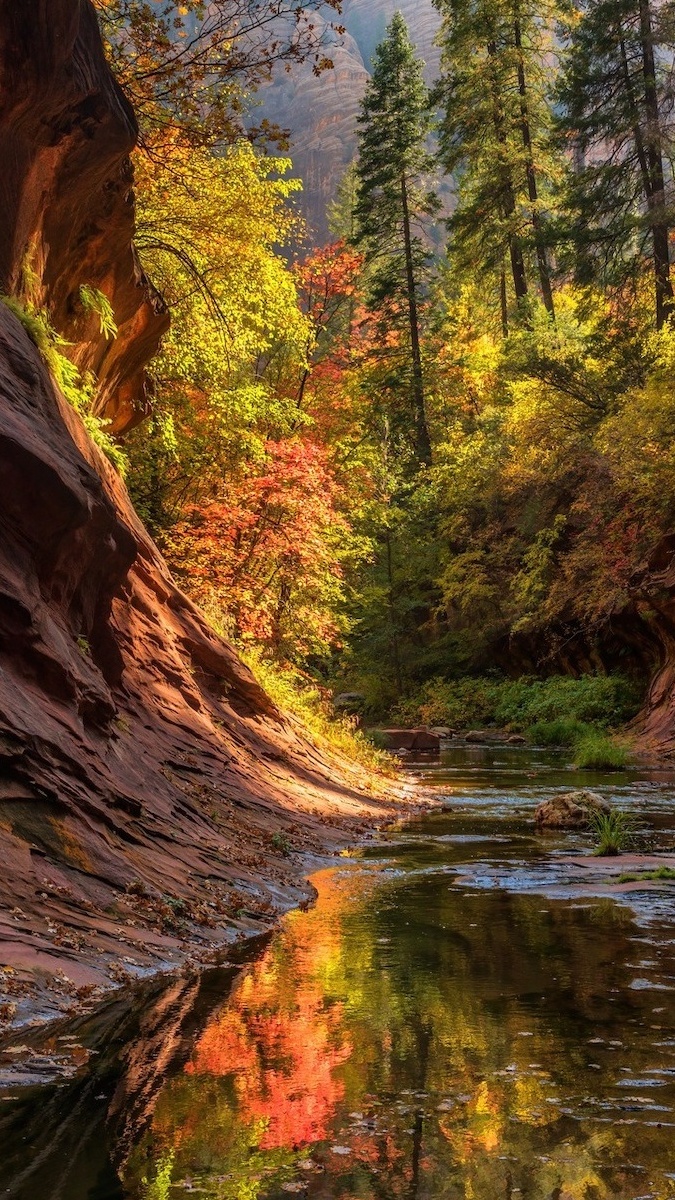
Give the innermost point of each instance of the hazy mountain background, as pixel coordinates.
(321, 112)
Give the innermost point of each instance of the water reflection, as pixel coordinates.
(405, 1040)
(415, 1035)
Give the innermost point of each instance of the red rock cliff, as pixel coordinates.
(66, 193)
(143, 771)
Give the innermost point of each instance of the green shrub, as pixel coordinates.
(614, 831)
(565, 731)
(596, 751)
(460, 702)
(605, 700)
(377, 738)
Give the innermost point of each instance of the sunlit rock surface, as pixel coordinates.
(66, 192)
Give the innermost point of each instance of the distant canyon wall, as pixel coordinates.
(321, 111)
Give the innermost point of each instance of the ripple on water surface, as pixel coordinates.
(451, 1020)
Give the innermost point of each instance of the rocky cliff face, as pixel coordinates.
(66, 191)
(143, 771)
(654, 624)
(321, 112)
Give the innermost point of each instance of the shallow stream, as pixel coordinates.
(463, 1014)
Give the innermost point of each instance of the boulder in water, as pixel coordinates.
(570, 810)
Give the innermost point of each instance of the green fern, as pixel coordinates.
(77, 388)
(94, 301)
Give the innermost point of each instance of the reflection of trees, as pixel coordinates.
(389, 994)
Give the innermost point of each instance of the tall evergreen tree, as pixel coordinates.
(393, 197)
(617, 107)
(494, 137)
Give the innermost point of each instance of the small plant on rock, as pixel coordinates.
(94, 301)
(281, 843)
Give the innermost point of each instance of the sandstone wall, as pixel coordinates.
(66, 194)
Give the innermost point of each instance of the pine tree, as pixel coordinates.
(616, 96)
(393, 198)
(494, 138)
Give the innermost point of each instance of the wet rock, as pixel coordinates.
(517, 739)
(477, 737)
(570, 810)
(443, 731)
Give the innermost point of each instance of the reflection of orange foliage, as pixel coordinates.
(280, 1039)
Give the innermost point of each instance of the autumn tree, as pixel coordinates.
(393, 198)
(266, 556)
(189, 65)
(208, 228)
(617, 108)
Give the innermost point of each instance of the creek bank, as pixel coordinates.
(429, 739)
(45, 1006)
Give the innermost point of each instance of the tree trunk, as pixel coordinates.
(423, 441)
(503, 302)
(393, 642)
(540, 246)
(657, 199)
(508, 193)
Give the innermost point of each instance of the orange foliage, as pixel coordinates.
(265, 549)
(282, 1042)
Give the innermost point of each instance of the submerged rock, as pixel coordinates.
(569, 810)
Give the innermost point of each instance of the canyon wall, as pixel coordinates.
(320, 111)
(152, 797)
(66, 191)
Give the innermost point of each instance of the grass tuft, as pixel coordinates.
(564, 731)
(639, 876)
(614, 830)
(596, 751)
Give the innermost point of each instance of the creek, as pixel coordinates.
(466, 1012)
